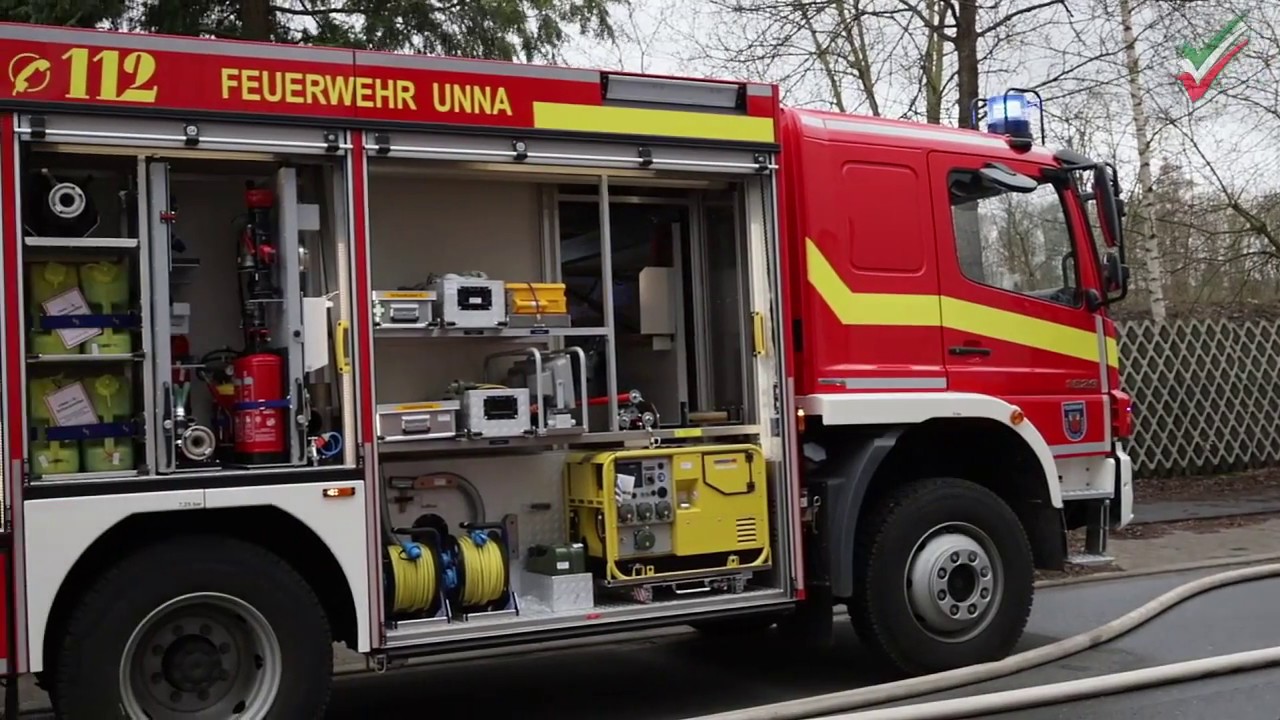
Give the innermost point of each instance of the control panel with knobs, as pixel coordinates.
(645, 514)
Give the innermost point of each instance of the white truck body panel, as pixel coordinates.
(910, 408)
(58, 530)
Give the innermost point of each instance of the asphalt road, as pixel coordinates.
(1228, 620)
(683, 676)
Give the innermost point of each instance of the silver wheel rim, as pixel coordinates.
(199, 657)
(953, 583)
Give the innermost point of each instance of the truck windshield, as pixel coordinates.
(1015, 241)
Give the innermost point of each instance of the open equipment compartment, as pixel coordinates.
(254, 283)
(84, 283)
(544, 461)
(182, 303)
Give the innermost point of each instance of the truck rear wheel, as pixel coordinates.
(944, 577)
(200, 627)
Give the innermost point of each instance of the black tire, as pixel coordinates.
(882, 615)
(91, 652)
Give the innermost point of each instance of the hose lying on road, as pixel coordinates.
(843, 702)
(1083, 689)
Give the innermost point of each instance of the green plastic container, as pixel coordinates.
(47, 280)
(556, 559)
(37, 388)
(110, 342)
(105, 284)
(49, 343)
(54, 458)
(111, 395)
(108, 455)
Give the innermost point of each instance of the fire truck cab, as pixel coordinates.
(954, 368)
(416, 355)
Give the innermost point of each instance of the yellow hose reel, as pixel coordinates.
(470, 570)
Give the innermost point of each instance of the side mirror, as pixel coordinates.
(1115, 277)
(1109, 207)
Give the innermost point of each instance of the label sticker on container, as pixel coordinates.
(562, 564)
(71, 302)
(624, 487)
(44, 461)
(70, 405)
(115, 458)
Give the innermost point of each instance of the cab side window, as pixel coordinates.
(1017, 242)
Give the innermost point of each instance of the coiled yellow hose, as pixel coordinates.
(415, 580)
(485, 571)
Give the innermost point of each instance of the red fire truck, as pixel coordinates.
(419, 355)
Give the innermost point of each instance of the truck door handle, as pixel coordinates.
(969, 350)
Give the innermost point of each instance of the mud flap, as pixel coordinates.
(812, 624)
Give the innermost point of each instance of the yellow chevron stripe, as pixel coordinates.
(853, 308)
(643, 121)
(868, 308)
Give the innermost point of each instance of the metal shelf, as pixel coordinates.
(531, 333)
(85, 358)
(84, 477)
(563, 437)
(82, 242)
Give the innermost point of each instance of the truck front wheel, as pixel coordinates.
(200, 627)
(944, 577)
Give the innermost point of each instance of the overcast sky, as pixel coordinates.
(1232, 126)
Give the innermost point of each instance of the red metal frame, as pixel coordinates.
(362, 331)
(12, 289)
(15, 654)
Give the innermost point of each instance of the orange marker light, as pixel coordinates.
(339, 492)
(800, 420)
(1016, 417)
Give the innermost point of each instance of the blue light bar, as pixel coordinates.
(1008, 115)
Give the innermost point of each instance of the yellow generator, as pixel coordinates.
(668, 515)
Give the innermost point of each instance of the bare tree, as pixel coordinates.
(1147, 239)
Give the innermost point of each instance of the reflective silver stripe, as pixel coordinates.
(759, 90)
(195, 46)
(557, 158)
(178, 138)
(1097, 448)
(438, 64)
(890, 383)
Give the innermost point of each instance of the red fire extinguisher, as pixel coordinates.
(260, 410)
